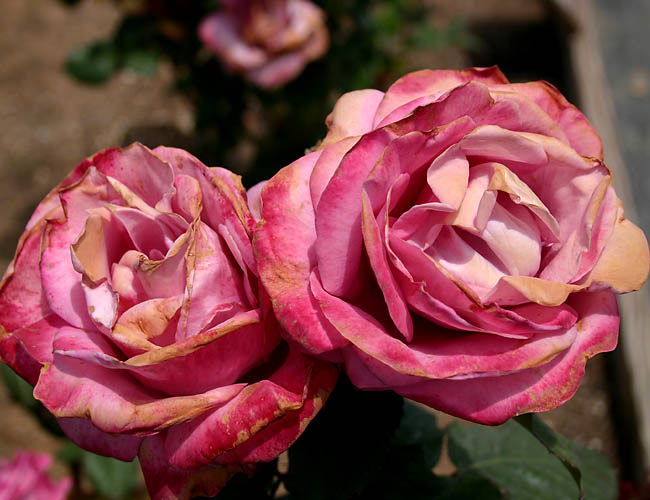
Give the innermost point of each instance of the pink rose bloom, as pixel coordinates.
(269, 41)
(456, 239)
(25, 477)
(134, 308)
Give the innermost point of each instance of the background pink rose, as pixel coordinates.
(456, 239)
(133, 307)
(25, 477)
(270, 42)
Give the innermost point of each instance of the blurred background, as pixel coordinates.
(80, 76)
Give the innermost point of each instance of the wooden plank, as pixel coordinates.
(596, 102)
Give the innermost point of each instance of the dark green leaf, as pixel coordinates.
(418, 427)
(144, 62)
(415, 449)
(405, 474)
(518, 463)
(93, 64)
(71, 453)
(554, 443)
(345, 446)
(111, 478)
(589, 469)
(468, 484)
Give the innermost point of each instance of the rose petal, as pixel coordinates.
(284, 249)
(353, 114)
(492, 400)
(113, 401)
(434, 83)
(376, 253)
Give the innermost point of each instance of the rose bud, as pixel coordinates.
(134, 308)
(456, 239)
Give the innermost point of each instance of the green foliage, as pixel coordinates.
(144, 62)
(344, 448)
(414, 450)
(519, 464)
(95, 63)
(112, 479)
(21, 392)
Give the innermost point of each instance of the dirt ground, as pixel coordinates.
(49, 122)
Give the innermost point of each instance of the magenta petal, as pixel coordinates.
(278, 71)
(165, 482)
(376, 252)
(218, 33)
(84, 434)
(492, 400)
(38, 337)
(582, 136)
(284, 249)
(235, 433)
(152, 180)
(326, 164)
(61, 283)
(338, 217)
(188, 201)
(233, 351)
(224, 197)
(26, 477)
(471, 99)
(353, 114)
(22, 298)
(112, 400)
(435, 352)
(205, 259)
(433, 83)
(253, 197)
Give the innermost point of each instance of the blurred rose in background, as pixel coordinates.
(26, 477)
(269, 41)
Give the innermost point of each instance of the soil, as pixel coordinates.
(48, 123)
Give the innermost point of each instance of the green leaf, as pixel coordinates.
(518, 463)
(93, 64)
(418, 427)
(556, 445)
(144, 62)
(345, 446)
(404, 475)
(415, 449)
(70, 453)
(468, 484)
(111, 478)
(21, 392)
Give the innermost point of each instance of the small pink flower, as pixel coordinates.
(269, 41)
(25, 477)
(134, 308)
(456, 239)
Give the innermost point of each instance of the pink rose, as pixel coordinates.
(456, 239)
(134, 308)
(25, 477)
(269, 41)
